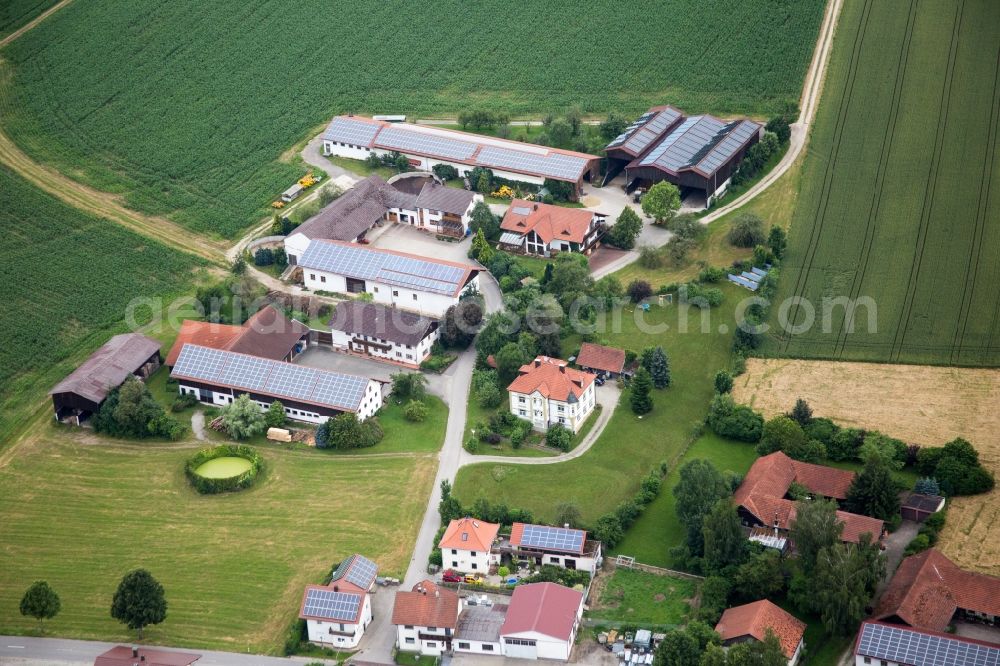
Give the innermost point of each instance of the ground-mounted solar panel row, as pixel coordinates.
(553, 538)
(332, 605)
(239, 371)
(905, 646)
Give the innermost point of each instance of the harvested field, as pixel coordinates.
(920, 404)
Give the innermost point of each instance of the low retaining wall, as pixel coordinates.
(266, 241)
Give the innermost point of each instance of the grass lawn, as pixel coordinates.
(414, 659)
(632, 596)
(658, 530)
(233, 565)
(534, 265)
(630, 446)
(401, 435)
(361, 168)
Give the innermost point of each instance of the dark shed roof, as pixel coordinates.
(269, 334)
(108, 367)
(379, 321)
(355, 211)
(446, 199)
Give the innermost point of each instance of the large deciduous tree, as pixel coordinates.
(41, 602)
(139, 601)
(814, 528)
(722, 533)
(700, 487)
(626, 229)
(661, 202)
(243, 419)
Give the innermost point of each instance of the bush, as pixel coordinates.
(710, 274)
(723, 382)
(275, 416)
(489, 396)
(728, 419)
(415, 411)
(183, 401)
(345, 431)
(927, 486)
(639, 290)
(747, 231)
(445, 171)
(650, 257)
(920, 543)
(263, 257)
(559, 437)
(207, 486)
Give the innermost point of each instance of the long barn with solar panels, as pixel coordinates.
(695, 153)
(357, 137)
(337, 614)
(407, 281)
(219, 376)
(889, 645)
(563, 547)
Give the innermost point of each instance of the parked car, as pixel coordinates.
(450, 576)
(473, 580)
(599, 381)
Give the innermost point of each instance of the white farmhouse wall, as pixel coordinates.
(295, 246)
(345, 150)
(544, 412)
(426, 303)
(478, 647)
(468, 561)
(340, 634)
(425, 640)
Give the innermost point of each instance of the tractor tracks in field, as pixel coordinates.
(816, 232)
(885, 150)
(899, 337)
(982, 210)
(32, 23)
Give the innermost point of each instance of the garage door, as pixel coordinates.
(520, 648)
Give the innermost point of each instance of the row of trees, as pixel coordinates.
(697, 644)
(138, 602)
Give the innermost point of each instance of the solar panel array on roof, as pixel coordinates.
(678, 149)
(402, 138)
(639, 141)
(905, 646)
(341, 606)
(274, 378)
(553, 165)
(345, 129)
(724, 150)
(553, 538)
(368, 264)
(357, 570)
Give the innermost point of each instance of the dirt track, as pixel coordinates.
(925, 405)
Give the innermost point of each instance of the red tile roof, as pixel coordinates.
(553, 379)
(267, 334)
(469, 534)
(774, 473)
(927, 588)
(547, 221)
(426, 606)
(121, 655)
(768, 509)
(545, 608)
(756, 618)
(600, 357)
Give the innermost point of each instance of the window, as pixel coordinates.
(518, 641)
(454, 564)
(431, 644)
(561, 408)
(522, 412)
(410, 641)
(520, 399)
(322, 278)
(473, 565)
(555, 560)
(868, 660)
(399, 355)
(432, 628)
(414, 297)
(376, 289)
(312, 276)
(447, 631)
(562, 420)
(395, 292)
(463, 646)
(487, 647)
(409, 356)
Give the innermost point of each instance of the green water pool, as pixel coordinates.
(223, 468)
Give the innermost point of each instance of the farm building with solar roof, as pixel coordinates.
(888, 645)
(408, 281)
(536, 545)
(696, 153)
(357, 137)
(219, 376)
(337, 614)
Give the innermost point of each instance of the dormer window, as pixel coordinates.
(465, 536)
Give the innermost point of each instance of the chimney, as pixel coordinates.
(566, 526)
(562, 369)
(142, 658)
(437, 593)
(775, 524)
(336, 588)
(135, 651)
(538, 362)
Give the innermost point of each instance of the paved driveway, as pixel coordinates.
(403, 238)
(325, 358)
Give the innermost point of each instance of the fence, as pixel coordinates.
(626, 562)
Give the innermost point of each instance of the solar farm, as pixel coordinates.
(901, 192)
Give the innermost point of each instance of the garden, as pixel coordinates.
(646, 600)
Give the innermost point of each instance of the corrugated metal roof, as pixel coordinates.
(108, 367)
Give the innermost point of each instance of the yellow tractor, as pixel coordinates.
(307, 181)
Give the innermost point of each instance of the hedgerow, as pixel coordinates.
(208, 486)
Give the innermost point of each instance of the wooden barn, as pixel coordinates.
(81, 394)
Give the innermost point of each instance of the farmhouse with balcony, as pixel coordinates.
(696, 153)
(542, 622)
(537, 545)
(219, 376)
(266, 334)
(751, 622)
(467, 545)
(426, 619)
(81, 394)
(446, 211)
(888, 645)
(603, 361)
(407, 281)
(384, 333)
(337, 614)
(548, 392)
(543, 229)
(425, 147)
(762, 500)
(929, 591)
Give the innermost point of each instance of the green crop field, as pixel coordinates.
(68, 278)
(185, 107)
(16, 13)
(901, 190)
(80, 512)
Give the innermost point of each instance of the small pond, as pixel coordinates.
(223, 468)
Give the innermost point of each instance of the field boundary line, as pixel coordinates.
(33, 22)
(847, 323)
(985, 185)
(816, 231)
(930, 191)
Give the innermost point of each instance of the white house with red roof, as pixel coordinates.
(467, 545)
(426, 618)
(543, 229)
(337, 614)
(542, 621)
(751, 622)
(537, 545)
(547, 392)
